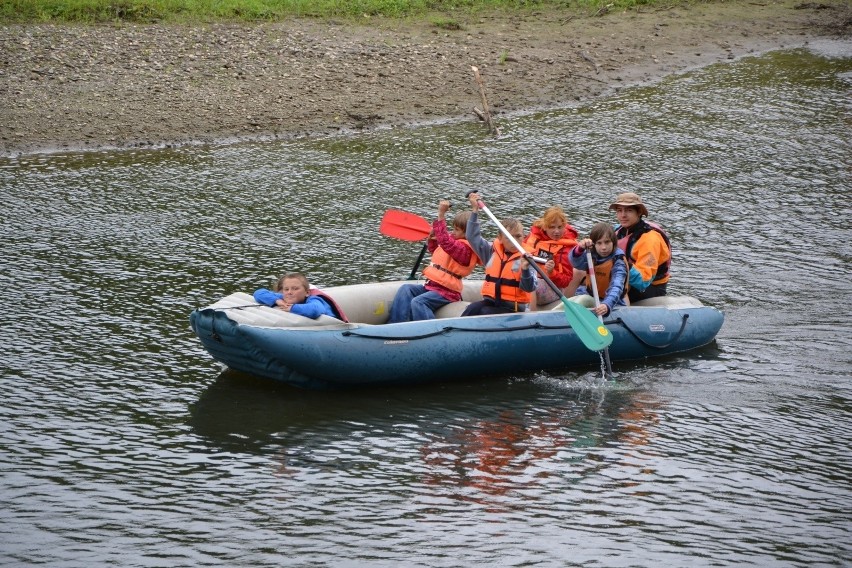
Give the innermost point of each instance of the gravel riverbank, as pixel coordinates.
(68, 88)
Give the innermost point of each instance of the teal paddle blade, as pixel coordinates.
(594, 335)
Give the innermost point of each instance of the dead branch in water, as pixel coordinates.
(484, 114)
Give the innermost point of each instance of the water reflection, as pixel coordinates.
(481, 441)
(513, 451)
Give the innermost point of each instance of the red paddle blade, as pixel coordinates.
(404, 225)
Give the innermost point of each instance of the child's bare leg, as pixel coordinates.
(578, 278)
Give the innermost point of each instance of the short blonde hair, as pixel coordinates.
(512, 225)
(292, 276)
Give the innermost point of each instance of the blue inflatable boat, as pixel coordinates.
(329, 353)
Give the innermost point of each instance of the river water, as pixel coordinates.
(124, 443)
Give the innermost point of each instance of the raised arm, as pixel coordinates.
(473, 233)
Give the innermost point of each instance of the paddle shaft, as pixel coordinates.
(591, 332)
(590, 261)
(413, 275)
(518, 246)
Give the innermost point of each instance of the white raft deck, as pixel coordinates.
(370, 304)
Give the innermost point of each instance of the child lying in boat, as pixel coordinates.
(293, 293)
(509, 278)
(452, 260)
(610, 268)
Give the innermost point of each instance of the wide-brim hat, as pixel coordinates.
(630, 200)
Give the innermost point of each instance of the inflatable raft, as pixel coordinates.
(329, 353)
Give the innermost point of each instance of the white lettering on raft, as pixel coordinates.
(396, 341)
(657, 327)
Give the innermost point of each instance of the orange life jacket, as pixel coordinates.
(444, 270)
(626, 242)
(603, 274)
(503, 276)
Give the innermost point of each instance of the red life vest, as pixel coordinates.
(334, 307)
(626, 241)
(444, 270)
(503, 276)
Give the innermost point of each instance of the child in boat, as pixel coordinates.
(509, 278)
(452, 260)
(552, 238)
(293, 293)
(610, 268)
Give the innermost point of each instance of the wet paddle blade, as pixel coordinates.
(592, 333)
(404, 225)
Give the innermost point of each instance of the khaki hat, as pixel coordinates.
(631, 200)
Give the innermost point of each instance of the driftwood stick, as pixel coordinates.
(589, 77)
(588, 58)
(603, 10)
(484, 114)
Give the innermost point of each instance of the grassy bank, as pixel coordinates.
(197, 11)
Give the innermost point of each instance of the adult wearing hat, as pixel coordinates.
(647, 246)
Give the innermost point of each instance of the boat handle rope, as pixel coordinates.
(449, 329)
(213, 334)
(645, 343)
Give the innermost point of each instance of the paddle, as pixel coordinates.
(594, 335)
(594, 280)
(408, 227)
(404, 225)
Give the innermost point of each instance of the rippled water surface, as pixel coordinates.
(124, 443)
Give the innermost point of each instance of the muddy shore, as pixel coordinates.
(68, 88)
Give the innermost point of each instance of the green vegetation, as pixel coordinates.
(446, 23)
(196, 11)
